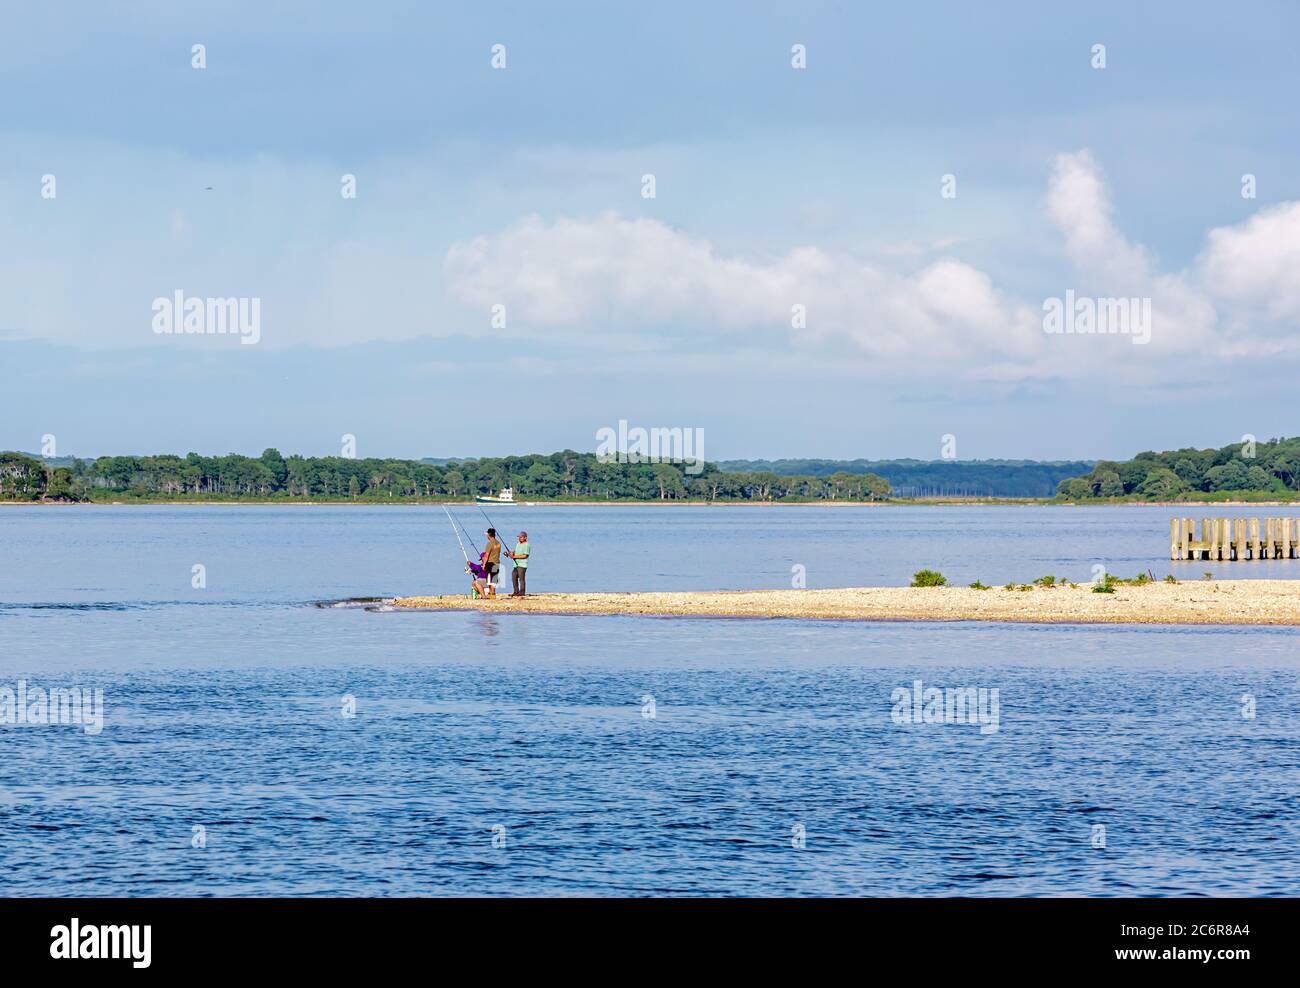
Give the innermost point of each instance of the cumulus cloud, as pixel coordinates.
(1257, 263)
(1078, 203)
(1108, 265)
(610, 269)
(85, 269)
(609, 273)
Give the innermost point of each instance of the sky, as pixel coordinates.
(852, 258)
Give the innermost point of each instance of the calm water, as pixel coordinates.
(223, 710)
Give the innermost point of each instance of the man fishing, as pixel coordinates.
(492, 559)
(519, 575)
(478, 574)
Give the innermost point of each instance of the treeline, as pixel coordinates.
(1265, 470)
(986, 478)
(272, 476)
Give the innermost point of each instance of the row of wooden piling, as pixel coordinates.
(1226, 539)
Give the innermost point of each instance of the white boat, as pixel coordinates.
(507, 496)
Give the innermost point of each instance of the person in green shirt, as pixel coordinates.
(519, 575)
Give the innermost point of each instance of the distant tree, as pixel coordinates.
(487, 478)
(542, 480)
(1190, 472)
(1284, 468)
(1231, 476)
(274, 462)
(1109, 484)
(605, 479)
(1134, 473)
(298, 478)
(837, 484)
(1076, 488)
(877, 488)
(1259, 479)
(21, 477)
(669, 480)
(1162, 484)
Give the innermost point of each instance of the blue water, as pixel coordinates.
(224, 711)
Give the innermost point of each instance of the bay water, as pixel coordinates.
(265, 733)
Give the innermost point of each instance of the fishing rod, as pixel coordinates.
(472, 543)
(452, 519)
(457, 531)
(493, 527)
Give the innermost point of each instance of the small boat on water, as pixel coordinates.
(507, 496)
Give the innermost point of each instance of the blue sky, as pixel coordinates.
(774, 187)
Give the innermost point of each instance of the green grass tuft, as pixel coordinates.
(928, 578)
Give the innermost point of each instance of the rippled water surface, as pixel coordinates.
(224, 710)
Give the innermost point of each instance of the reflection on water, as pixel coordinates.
(488, 625)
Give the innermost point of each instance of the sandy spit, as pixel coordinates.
(1275, 602)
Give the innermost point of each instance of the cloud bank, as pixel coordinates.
(609, 271)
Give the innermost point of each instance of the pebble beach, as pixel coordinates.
(1259, 602)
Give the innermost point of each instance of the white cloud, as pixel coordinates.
(1078, 203)
(1257, 262)
(1241, 297)
(609, 270)
(1107, 264)
(85, 268)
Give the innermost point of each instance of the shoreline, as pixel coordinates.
(1214, 602)
(1028, 502)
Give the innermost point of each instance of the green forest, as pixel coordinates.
(565, 475)
(1241, 471)
(1260, 471)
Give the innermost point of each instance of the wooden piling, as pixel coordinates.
(1234, 539)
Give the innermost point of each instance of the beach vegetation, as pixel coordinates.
(928, 578)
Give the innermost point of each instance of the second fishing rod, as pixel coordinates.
(495, 529)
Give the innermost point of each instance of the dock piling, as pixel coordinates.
(1234, 539)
